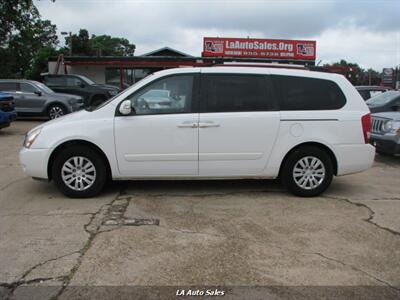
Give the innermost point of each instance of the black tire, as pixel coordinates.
(383, 153)
(97, 100)
(56, 110)
(89, 154)
(293, 160)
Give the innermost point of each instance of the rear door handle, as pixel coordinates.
(188, 124)
(207, 124)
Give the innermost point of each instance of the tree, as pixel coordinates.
(22, 34)
(112, 46)
(101, 45)
(40, 62)
(354, 73)
(80, 43)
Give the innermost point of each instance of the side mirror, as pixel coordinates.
(39, 93)
(396, 107)
(125, 108)
(82, 85)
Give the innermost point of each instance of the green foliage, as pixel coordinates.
(40, 62)
(101, 45)
(22, 35)
(356, 74)
(112, 46)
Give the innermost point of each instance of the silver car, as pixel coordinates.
(33, 98)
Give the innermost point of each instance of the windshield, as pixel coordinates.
(44, 88)
(383, 98)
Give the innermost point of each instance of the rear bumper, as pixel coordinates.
(354, 158)
(389, 144)
(34, 162)
(7, 117)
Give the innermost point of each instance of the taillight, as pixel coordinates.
(366, 126)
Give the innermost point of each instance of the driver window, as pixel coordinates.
(166, 96)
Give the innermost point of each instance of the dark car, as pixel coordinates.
(387, 101)
(368, 91)
(7, 110)
(93, 94)
(385, 132)
(33, 98)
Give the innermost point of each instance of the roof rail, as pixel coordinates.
(260, 64)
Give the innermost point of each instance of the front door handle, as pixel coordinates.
(188, 124)
(207, 124)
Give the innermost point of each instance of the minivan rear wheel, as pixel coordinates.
(307, 171)
(79, 172)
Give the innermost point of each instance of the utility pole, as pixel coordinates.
(70, 41)
(369, 77)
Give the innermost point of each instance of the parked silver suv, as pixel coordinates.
(33, 98)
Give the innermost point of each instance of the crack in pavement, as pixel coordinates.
(371, 213)
(286, 249)
(13, 182)
(93, 230)
(47, 215)
(15, 284)
(357, 269)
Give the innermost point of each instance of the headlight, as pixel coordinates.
(392, 127)
(113, 92)
(30, 137)
(72, 101)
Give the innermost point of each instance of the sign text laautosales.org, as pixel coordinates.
(259, 48)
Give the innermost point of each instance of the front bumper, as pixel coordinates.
(76, 107)
(389, 144)
(34, 162)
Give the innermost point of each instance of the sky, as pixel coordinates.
(366, 32)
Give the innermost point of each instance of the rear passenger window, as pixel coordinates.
(235, 93)
(27, 88)
(301, 93)
(8, 86)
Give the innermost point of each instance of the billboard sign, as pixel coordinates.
(259, 48)
(388, 77)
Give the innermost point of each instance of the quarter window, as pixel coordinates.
(235, 93)
(302, 93)
(170, 95)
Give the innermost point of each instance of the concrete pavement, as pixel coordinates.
(175, 234)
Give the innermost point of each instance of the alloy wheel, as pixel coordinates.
(309, 172)
(56, 112)
(78, 173)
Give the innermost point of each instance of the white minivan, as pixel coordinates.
(216, 123)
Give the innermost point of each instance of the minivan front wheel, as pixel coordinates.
(79, 172)
(307, 171)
